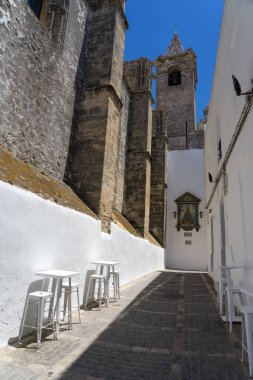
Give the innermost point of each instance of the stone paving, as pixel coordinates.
(165, 326)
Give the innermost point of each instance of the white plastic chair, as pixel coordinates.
(221, 293)
(247, 342)
(231, 290)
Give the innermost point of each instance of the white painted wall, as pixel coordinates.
(235, 56)
(185, 174)
(36, 234)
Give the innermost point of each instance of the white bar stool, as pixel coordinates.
(67, 295)
(230, 305)
(115, 281)
(39, 298)
(101, 281)
(247, 341)
(221, 294)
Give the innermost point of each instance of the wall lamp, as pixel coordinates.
(201, 214)
(238, 89)
(175, 214)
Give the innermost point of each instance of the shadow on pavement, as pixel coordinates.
(170, 331)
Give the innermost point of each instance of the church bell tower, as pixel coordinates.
(176, 78)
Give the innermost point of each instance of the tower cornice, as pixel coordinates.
(97, 5)
(175, 58)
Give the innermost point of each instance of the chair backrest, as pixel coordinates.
(86, 298)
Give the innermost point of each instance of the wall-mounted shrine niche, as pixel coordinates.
(187, 212)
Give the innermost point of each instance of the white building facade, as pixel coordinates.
(228, 148)
(185, 250)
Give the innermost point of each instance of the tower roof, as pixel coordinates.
(175, 47)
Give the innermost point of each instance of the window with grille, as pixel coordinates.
(53, 15)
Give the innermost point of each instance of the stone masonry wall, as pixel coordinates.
(104, 58)
(177, 102)
(94, 146)
(38, 81)
(158, 179)
(122, 149)
(137, 176)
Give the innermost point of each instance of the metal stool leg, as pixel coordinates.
(78, 304)
(218, 295)
(118, 287)
(230, 309)
(243, 335)
(221, 290)
(69, 308)
(39, 320)
(99, 293)
(114, 286)
(106, 292)
(65, 303)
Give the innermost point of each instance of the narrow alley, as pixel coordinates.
(165, 326)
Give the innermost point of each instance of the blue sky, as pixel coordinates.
(151, 27)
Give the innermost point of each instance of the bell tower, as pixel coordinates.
(176, 78)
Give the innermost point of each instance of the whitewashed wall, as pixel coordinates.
(235, 56)
(185, 174)
(36, 234)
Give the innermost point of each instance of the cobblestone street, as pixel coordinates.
(165, 327)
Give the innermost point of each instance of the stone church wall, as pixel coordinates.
(38, 79)
(94, 147)
(65, 109)
(158, 199)
(122, 148)
(138, 168)
(104, 58)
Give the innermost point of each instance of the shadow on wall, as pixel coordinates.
(86, 299)
(79, 86)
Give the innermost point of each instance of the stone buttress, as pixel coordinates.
(138, 75)
(158, 194)
(94, 152)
